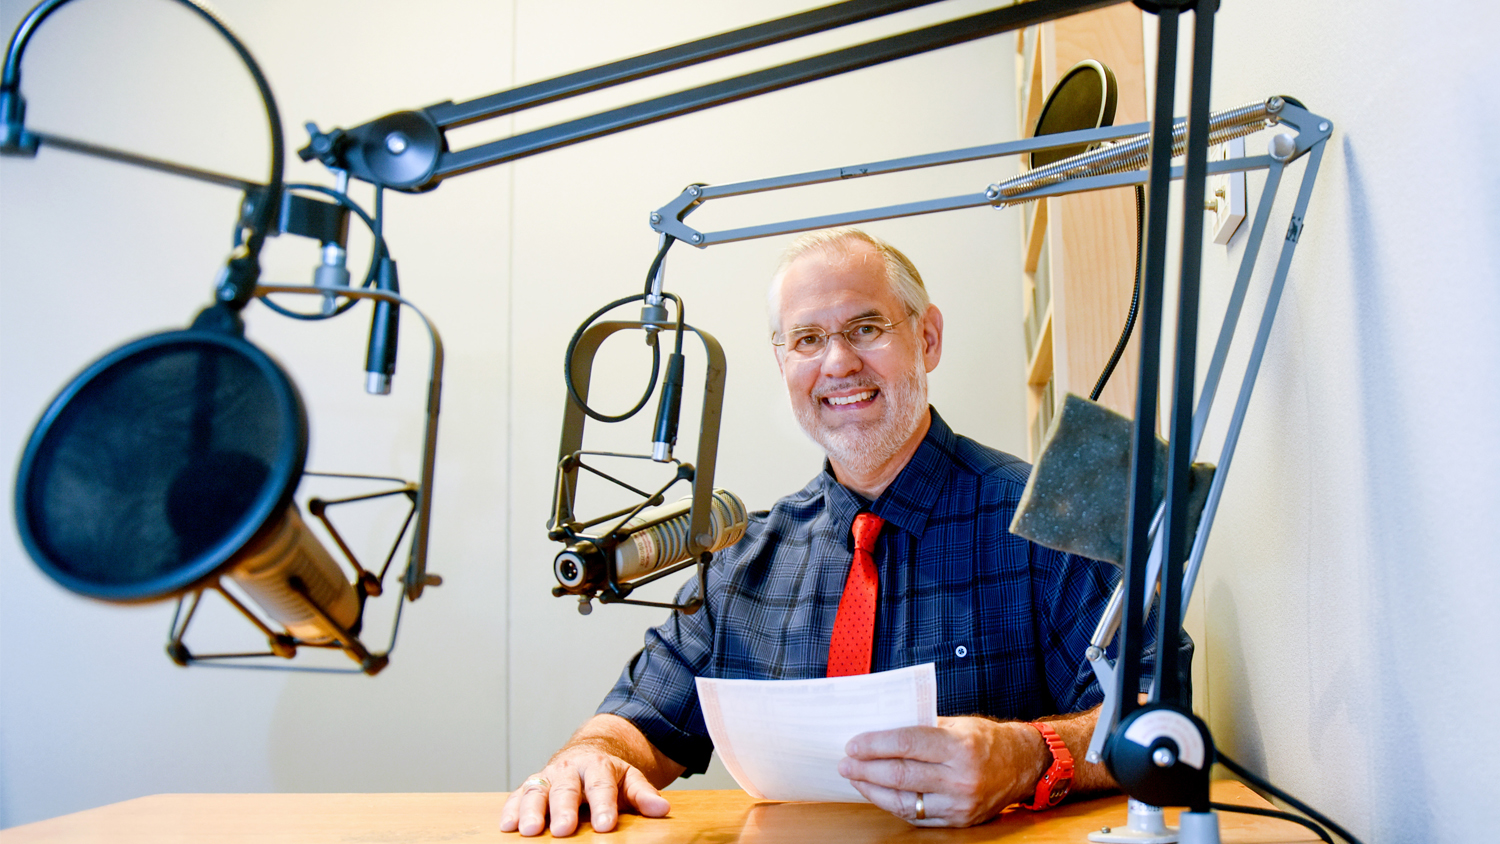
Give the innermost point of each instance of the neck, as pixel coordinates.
(872, 483)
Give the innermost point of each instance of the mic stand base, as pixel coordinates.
(1198, 827)
(1146, 825)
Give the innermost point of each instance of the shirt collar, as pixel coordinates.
(907, 503)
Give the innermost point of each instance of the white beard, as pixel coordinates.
(864, 448)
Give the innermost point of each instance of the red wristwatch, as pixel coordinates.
(1054, 785)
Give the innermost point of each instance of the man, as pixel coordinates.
(1006, 622)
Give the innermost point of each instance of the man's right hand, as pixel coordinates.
(591, 769)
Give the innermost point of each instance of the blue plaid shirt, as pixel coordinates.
(1005, 621)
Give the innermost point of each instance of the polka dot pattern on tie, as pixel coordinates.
(853, 637)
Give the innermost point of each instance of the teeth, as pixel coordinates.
(857, 397)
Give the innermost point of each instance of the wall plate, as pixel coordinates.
(1226, 192)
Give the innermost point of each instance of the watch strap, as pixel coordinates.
(1055, 783)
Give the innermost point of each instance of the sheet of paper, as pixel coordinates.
(783, 739)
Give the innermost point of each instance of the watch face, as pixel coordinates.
(1059, 791)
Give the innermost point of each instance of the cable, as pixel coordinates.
(1273, 813)
(656, 264)
(380, 213)
(378, 251)
(661, 255)
(1253, 780)
(1135, 298)
(655, 358)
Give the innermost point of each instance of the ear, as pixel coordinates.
(930, 329)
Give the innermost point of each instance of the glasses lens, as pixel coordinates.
(869, 334)
(806, 342)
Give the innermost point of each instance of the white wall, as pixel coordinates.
(1350, 582)
(492, 673)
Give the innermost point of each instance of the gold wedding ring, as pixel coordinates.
(544, 786)
(921, 808)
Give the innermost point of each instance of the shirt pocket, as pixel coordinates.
(982, 675)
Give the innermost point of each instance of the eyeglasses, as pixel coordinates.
(863, 335)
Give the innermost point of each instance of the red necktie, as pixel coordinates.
(854, 627)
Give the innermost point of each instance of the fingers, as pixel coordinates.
(904, 805)
(639, 792)
(895, 774)
(525, 809)
(605, 783)
(914, 759)
(510, 813)
(951, 767)
(923, 744)
(563, 799)
(600, 790)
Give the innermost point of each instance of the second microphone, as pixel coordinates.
(652, 541)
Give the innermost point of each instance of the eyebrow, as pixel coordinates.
(870, 314)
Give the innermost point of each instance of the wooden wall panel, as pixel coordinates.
(1094, 235)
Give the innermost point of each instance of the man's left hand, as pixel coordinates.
(964, 770)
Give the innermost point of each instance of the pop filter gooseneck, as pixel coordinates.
(237, 282)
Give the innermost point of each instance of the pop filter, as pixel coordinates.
(1083, 99)
(173, 460)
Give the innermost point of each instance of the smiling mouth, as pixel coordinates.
(856, 398)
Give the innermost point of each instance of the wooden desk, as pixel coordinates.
(705, 817)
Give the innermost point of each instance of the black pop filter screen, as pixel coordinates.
(158, 463)
(1083, 99)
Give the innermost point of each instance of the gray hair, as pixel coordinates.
(900, 273)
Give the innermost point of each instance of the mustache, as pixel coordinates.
(825, 390)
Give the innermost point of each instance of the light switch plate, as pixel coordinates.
(1226, 193)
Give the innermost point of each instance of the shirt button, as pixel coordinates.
(961, 651)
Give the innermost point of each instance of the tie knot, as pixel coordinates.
(866, 529)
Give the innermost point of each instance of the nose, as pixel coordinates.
(841, 360)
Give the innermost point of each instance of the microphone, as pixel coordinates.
(169, 467)
(650, 542)
(296, 581)
(380, 359)
(283, 567)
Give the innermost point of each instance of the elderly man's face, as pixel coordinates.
(862, 407)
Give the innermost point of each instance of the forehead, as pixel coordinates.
(830, 287)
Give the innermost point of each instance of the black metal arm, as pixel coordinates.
(408, 150)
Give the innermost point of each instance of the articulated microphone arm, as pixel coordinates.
(1119, 161)
(408, 150)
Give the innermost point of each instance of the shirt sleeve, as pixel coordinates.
(1072, 593)
(1073, 598)
(657, 691)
